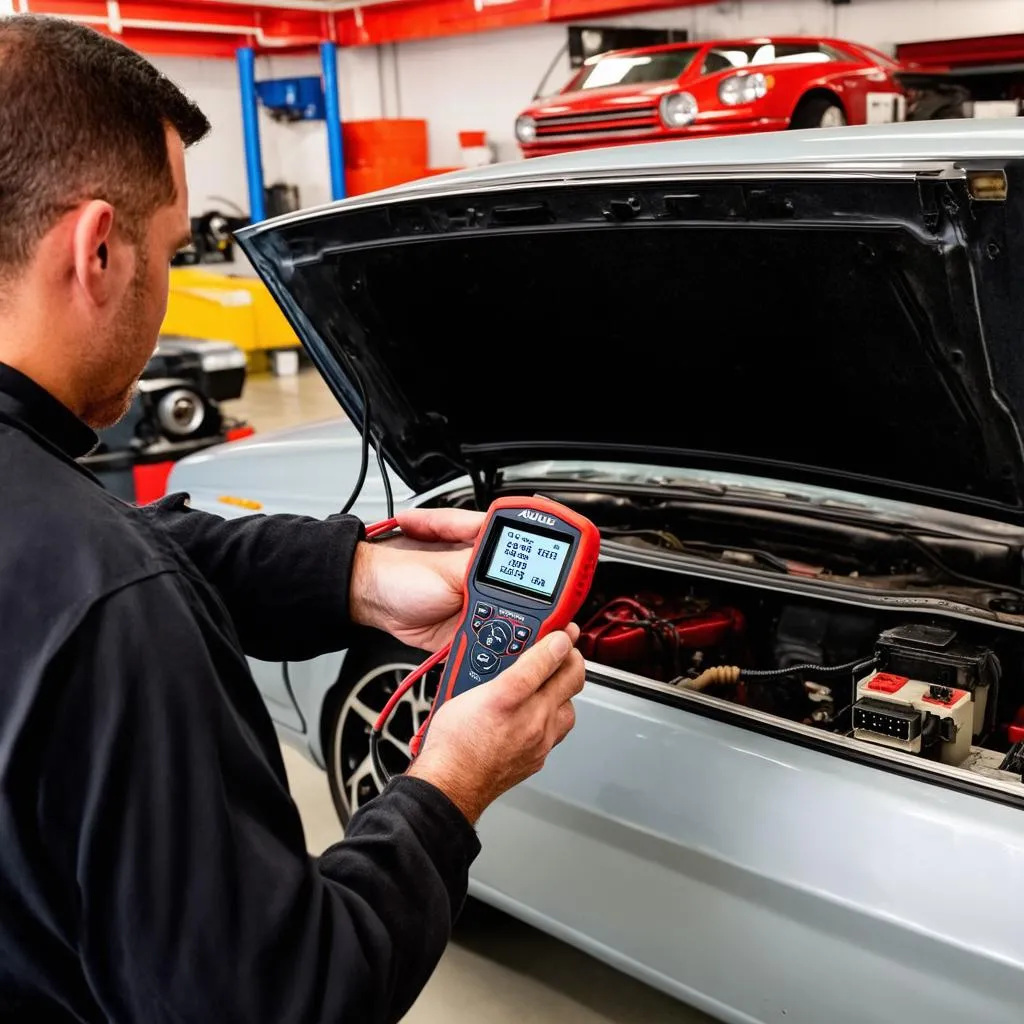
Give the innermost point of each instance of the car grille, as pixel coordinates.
(628, 120)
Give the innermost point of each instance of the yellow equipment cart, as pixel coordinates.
(203, 304)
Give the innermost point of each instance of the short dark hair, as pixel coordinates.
(81, 117)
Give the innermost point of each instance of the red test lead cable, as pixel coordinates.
(379, 529)
(376, 531)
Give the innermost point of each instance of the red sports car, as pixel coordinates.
(691, 90)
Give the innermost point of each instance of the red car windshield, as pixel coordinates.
(632, 69)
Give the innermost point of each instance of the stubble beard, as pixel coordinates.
(114, 394)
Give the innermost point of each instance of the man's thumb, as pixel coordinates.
(535, 666)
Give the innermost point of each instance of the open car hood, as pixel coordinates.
(840, 308)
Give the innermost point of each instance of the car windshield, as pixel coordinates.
(749, 55)
(631, 69)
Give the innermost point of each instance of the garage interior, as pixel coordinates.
(316, 102)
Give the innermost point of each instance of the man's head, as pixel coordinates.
(93, 203)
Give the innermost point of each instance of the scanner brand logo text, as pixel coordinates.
(536, 517)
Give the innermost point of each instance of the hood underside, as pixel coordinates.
(857, 329)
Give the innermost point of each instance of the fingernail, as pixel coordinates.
(560, 645)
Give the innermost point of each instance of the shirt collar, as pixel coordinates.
(36, 408)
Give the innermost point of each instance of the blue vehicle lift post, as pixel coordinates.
(251, 134)
(251, 127)
(332, 111)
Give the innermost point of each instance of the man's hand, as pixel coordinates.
(412, 586)
(491, 738)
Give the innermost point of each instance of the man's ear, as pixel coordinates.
(92, 243)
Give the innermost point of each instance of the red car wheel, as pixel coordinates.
(819, 112)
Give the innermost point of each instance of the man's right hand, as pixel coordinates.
(491, 738)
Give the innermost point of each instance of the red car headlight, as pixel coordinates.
(744, 88)
(526, 128)
(677, 110)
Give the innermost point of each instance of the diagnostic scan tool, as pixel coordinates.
(529, 574)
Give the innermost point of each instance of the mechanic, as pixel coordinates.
(153, 866)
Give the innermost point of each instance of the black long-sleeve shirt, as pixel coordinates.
(152, 863)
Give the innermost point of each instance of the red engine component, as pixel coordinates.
(1015, 732)
(646, 633)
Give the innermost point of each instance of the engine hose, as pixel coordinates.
(727, 675)
(717, 675)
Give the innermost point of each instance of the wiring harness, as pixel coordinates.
(650, 634)
(727, 675)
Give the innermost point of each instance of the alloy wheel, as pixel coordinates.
(357, 779)
(833, 117)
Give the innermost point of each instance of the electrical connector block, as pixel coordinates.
(912, 715)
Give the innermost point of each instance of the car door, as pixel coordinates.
(759, 879)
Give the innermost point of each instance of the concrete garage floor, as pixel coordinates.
(497, 970)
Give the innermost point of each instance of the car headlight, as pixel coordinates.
(526, 128)
(677, 110)
(737, 89)
(180, 412)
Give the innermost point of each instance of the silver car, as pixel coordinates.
(784, 375)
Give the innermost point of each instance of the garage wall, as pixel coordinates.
(216, 167)
(486, 81)
(480, 82)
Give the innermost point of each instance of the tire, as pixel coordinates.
(818, 112)
(369, 676)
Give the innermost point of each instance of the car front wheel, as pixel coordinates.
(369, 677)
(819, 112)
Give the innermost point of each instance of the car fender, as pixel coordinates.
(850, 89)
(793, 86)
(838, 96)
(790, 87)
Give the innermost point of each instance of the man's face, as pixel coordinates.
(135, 326)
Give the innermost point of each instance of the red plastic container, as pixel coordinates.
(471, 140)
(385, 142)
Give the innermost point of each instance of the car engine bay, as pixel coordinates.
(888, 679)
(926, 661)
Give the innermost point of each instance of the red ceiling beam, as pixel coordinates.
(208, 28)
(430, 19)
(962, 53)
(194, 28)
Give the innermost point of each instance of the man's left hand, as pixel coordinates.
(412, 586)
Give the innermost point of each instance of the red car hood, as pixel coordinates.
(597, 99)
